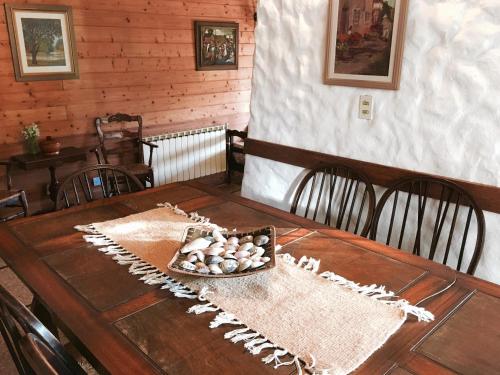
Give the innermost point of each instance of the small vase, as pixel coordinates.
(32, 146)
(50, 146)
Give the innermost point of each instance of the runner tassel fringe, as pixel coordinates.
(254, 342)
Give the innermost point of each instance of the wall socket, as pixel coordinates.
(366, 107)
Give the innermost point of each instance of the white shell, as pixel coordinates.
(214, 251)
(202, 268)
(242, 254)
(233, 240)
(246, 239)
(215, 269)
(214, 260)
(244, 264)
(229, 256)
(198, 254)
(192, 258)
(257, 264)
(229, 266)
(261, 240)
(265, 259)
(188, 266)
(217, 244)
(257, 252)
(246, 247)
(197, 244)
(218, 236)
(231, 248)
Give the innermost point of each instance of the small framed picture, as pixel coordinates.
(217, 45)
(365, 43)
(42, 41)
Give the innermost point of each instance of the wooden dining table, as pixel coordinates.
(124, 326)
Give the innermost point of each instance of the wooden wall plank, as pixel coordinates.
(134, 56)
(28, 100)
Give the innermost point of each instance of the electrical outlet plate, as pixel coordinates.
(366, 107)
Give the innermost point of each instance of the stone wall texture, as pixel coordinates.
(443, 120)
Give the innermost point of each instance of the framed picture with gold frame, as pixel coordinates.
(42, 41)
(365, 43)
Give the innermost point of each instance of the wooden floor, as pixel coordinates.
(16, 287)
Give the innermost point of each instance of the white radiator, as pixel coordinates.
(187, 155)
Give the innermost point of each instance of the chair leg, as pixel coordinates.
(24, 203)
(228, 176)
(152, 179)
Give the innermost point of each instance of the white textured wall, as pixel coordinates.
(445, 119)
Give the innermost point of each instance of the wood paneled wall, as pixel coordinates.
(135, 56)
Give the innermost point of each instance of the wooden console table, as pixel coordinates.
(29, 162)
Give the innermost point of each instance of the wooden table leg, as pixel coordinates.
(44, 315)
(54, 183)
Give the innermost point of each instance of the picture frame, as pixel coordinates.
(217, 45)
(42, 42)
(365, 43)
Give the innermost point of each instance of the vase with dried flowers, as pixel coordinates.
(31, 134)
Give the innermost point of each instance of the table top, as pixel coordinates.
(41, 160)
(127, 326)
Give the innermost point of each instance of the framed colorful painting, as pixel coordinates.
(365, 43)
(42, 41)
(217, 45)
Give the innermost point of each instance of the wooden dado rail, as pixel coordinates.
(486, 196)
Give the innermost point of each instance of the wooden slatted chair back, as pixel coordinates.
(33, 348)
(431, 217)
(13, 203)
(338, 196)
(96, 182)
(120, 134)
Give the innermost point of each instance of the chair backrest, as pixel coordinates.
(118, 134)
(95, 182)
(428, 212)
(338, 196)
(232, 134)
(30, 344)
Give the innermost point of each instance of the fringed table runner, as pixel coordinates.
(324, 323)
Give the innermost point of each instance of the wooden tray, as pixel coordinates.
(193, 233)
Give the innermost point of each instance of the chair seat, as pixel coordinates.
(237, 147)
(239, 158)
(7, 195)
(138, 169)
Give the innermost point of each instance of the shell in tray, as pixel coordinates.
(216, 254)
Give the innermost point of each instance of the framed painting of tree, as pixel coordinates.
(42, 41)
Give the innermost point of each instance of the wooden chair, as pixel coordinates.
(235, 155)
(432, 207)
(13, 203)
(33, 348)
(125, 142)
(95, 182)
(338, 196)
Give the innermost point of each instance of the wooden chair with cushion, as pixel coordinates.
(13, 203)
(33, 348)
(338, 196)
(235, 155)
(120, 135)
(431, 217)
(96, 182)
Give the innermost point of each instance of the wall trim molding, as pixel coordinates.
(486, 196)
